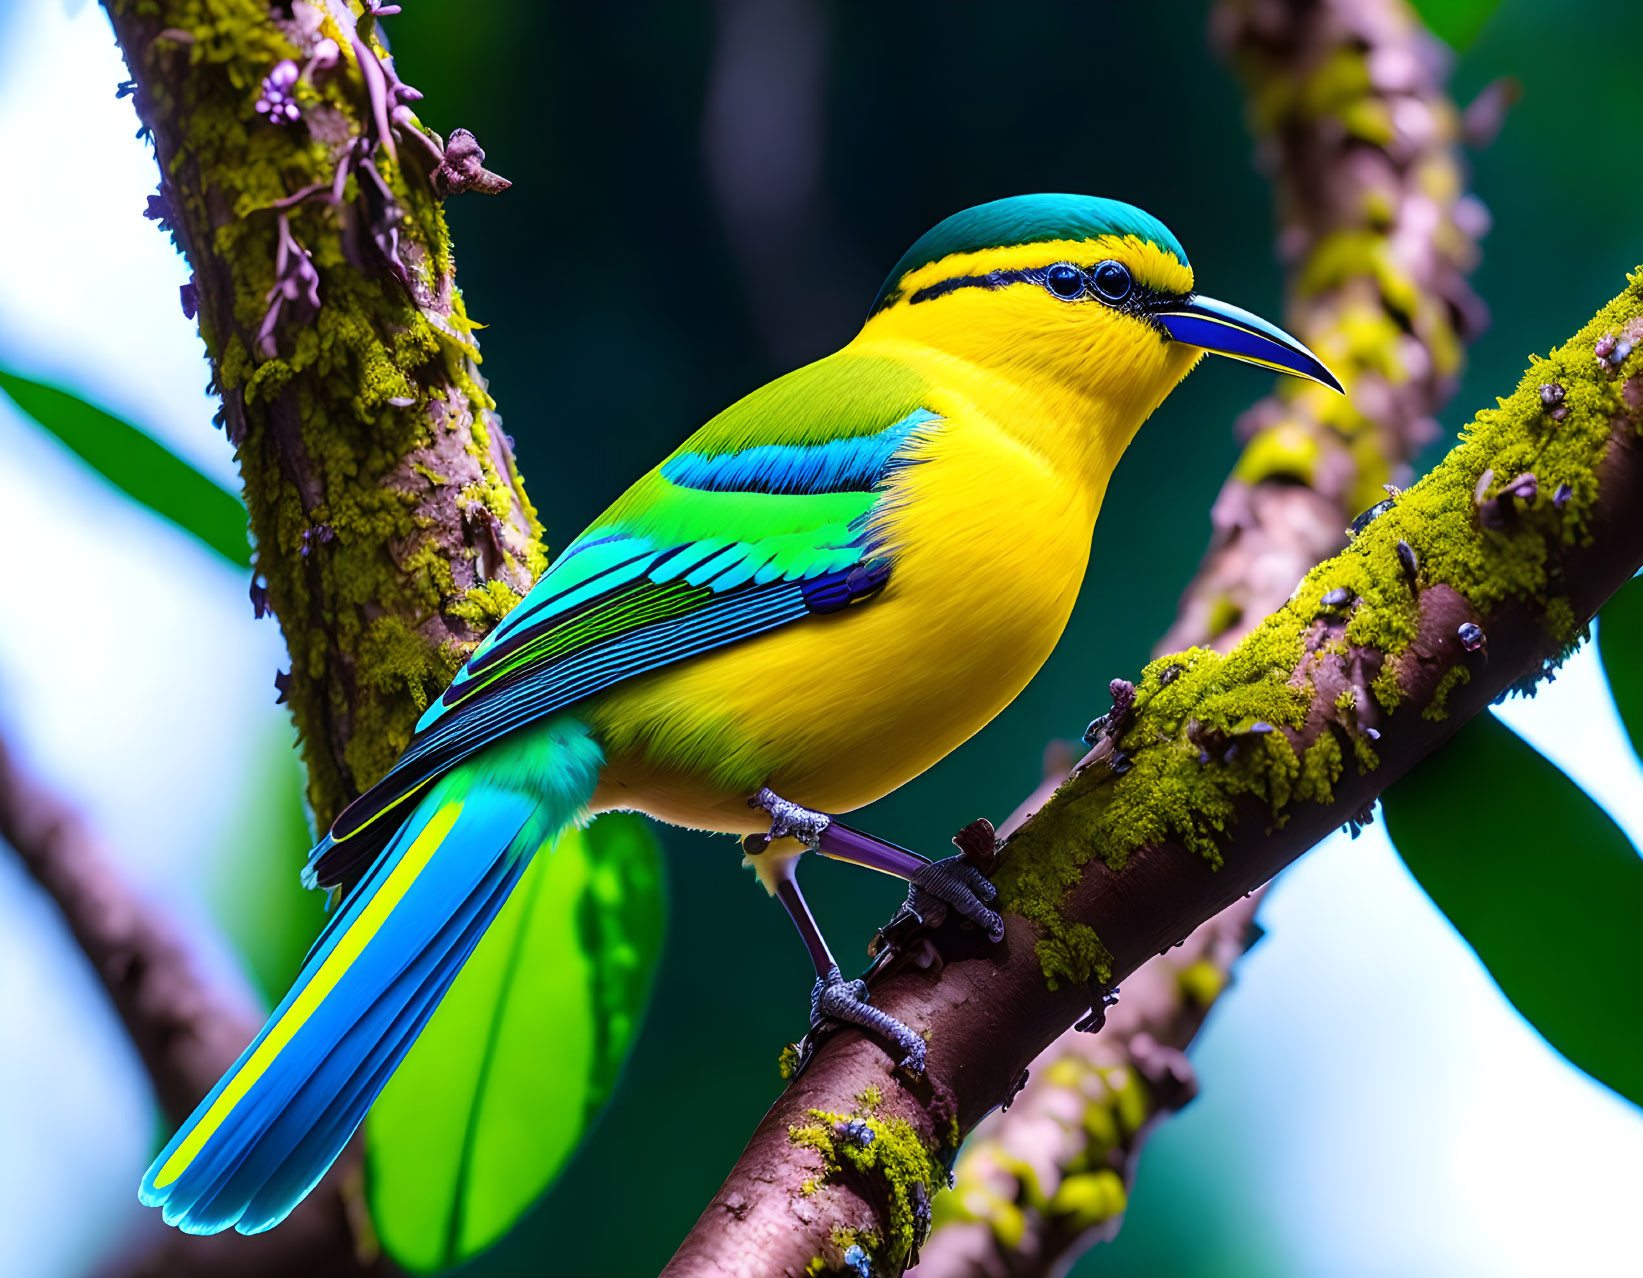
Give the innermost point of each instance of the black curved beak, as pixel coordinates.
(1224, 329)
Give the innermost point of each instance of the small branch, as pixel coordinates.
(1050, 1176)
(186, 1030)
(1379, 234)
(1035, 1185)
(1234, 766)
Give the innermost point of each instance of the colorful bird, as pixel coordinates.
(822, 592)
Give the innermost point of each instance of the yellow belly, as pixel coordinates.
(835, 711)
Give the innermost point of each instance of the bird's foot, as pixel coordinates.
(788, 818)
(955, 883)
(835, 999)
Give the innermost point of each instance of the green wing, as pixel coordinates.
(769, 514)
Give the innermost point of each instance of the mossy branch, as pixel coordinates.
(1472, 583)
(1347, 102)
(391, 527)
(1377, 231)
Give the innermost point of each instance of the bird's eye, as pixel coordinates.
(1065, 281)
(1112, 280)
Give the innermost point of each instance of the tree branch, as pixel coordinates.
(1050, 1176)
(391, 527)
(1039, 1183)
(1473, 581)
(185, 1029)
(1347, 102)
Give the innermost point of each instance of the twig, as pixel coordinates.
(186, 1029)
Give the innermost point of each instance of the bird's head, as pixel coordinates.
(1072, 293)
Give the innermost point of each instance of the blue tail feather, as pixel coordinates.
(292, 1180)
(278, 1119)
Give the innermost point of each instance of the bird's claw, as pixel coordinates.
(835, 999)
(956, 884)
(788, 818)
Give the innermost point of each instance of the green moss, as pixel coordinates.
(483, 606)
(1193, 755)
(1437, 708)
(895, 1159)
(1284, 451)
(1224, 614)
(1564, 626)
(1087, 1199)
(1103, 1109)
(1201, 982)
(1074, 954)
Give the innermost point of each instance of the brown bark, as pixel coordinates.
(391, 526)
(1078, 1126)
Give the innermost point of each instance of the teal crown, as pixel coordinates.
(1028, 219)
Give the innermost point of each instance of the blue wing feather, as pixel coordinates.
(860, 463)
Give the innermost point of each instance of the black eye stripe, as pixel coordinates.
(1139, 300)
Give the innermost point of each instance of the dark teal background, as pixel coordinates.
(620, 318)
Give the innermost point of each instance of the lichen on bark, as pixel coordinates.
(390, 523)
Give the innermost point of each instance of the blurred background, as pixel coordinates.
(1370, 1103)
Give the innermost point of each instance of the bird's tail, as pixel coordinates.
(268, 1131)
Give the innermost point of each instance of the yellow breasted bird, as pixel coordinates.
(774, 625)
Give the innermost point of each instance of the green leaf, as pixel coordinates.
(1620, 644)
(1456, 22)
(518, 1061)
(1541, 883)
(257, 893)
(139, 466)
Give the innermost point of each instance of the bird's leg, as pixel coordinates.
(832, 997)
(953, 882)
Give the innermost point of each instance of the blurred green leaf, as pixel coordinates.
(1456, 22)
(139, 466)
(1620, 644)
(256, 889)
(1541, 883)
(519, 1060)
